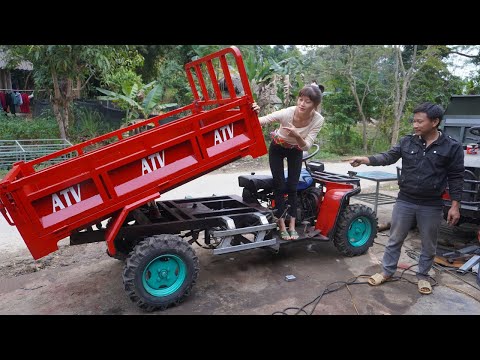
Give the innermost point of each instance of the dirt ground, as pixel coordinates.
(83, 279)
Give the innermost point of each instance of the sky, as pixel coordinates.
(460, 65)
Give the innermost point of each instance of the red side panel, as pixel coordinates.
(330, 206)
(47, 205)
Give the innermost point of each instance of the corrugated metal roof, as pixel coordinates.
(24, 65)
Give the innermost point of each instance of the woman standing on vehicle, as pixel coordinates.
(299, 126)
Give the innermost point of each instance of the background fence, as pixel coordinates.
(12, 151)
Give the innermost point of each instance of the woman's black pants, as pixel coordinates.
(276, 154)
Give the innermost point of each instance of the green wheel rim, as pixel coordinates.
(359, 231)
(164, 275)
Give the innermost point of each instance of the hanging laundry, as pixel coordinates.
(10, 101)
(17, 101)
(3, 101)
(25, 107)
(18, 98)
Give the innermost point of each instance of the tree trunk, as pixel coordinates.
(362, 115)
(76, 93)
(67, 102)
(396, 102)
(61, 104)
(58, 115)
(403, 78)
(286, 90)
(352, 57)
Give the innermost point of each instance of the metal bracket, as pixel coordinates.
(469, 264)
(260, 232)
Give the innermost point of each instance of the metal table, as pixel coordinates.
(375, 198)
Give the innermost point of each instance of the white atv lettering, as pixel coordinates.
(220, 138)
(149, 164)
(145, 167)
(75, 194)
(58, 203)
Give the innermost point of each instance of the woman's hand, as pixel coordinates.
(256, 108)
(291, 131)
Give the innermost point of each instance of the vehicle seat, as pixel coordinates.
(255, 183)
(315, 166)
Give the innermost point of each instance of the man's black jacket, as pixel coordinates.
(426, 171)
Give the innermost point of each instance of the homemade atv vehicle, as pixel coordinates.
(115, 178)
(323, 212)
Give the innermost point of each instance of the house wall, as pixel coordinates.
(5, 79)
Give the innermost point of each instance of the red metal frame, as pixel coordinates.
(47, 205)
(330, 206)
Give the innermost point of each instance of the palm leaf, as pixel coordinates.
(152, 99)
(133, 91)
(116, 96)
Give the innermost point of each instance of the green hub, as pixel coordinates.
(359, 231)
(164, 275)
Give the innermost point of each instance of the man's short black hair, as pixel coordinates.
(433, 111)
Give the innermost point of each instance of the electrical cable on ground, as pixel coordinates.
(353, 302)
(461, 291)
(413, 254)
(316, 301)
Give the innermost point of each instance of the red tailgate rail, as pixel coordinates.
(48, 204)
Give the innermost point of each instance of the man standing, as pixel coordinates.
(430, 160)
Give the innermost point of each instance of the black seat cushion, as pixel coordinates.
(255, 183)
(316, 166)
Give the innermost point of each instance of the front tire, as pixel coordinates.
(160, 272)
(356, 230)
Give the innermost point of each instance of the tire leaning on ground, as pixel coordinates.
(160, 272)
(356, 230)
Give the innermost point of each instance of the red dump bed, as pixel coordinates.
(115, 172)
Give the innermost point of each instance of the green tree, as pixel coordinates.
(358, 68)
(62, 71)
(408, 63)
(138, 100)
(156, 55)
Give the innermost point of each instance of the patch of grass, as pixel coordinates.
(22, 128)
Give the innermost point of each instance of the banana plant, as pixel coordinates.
(134, 101)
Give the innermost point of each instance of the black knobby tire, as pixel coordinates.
(463, 233)
(311, 200)
(361, 223)
(173, 253)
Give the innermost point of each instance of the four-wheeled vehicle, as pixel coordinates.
(117, 178)
(324, 211)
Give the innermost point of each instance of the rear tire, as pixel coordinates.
(309, 207)
(160, 272)
(356, 230)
